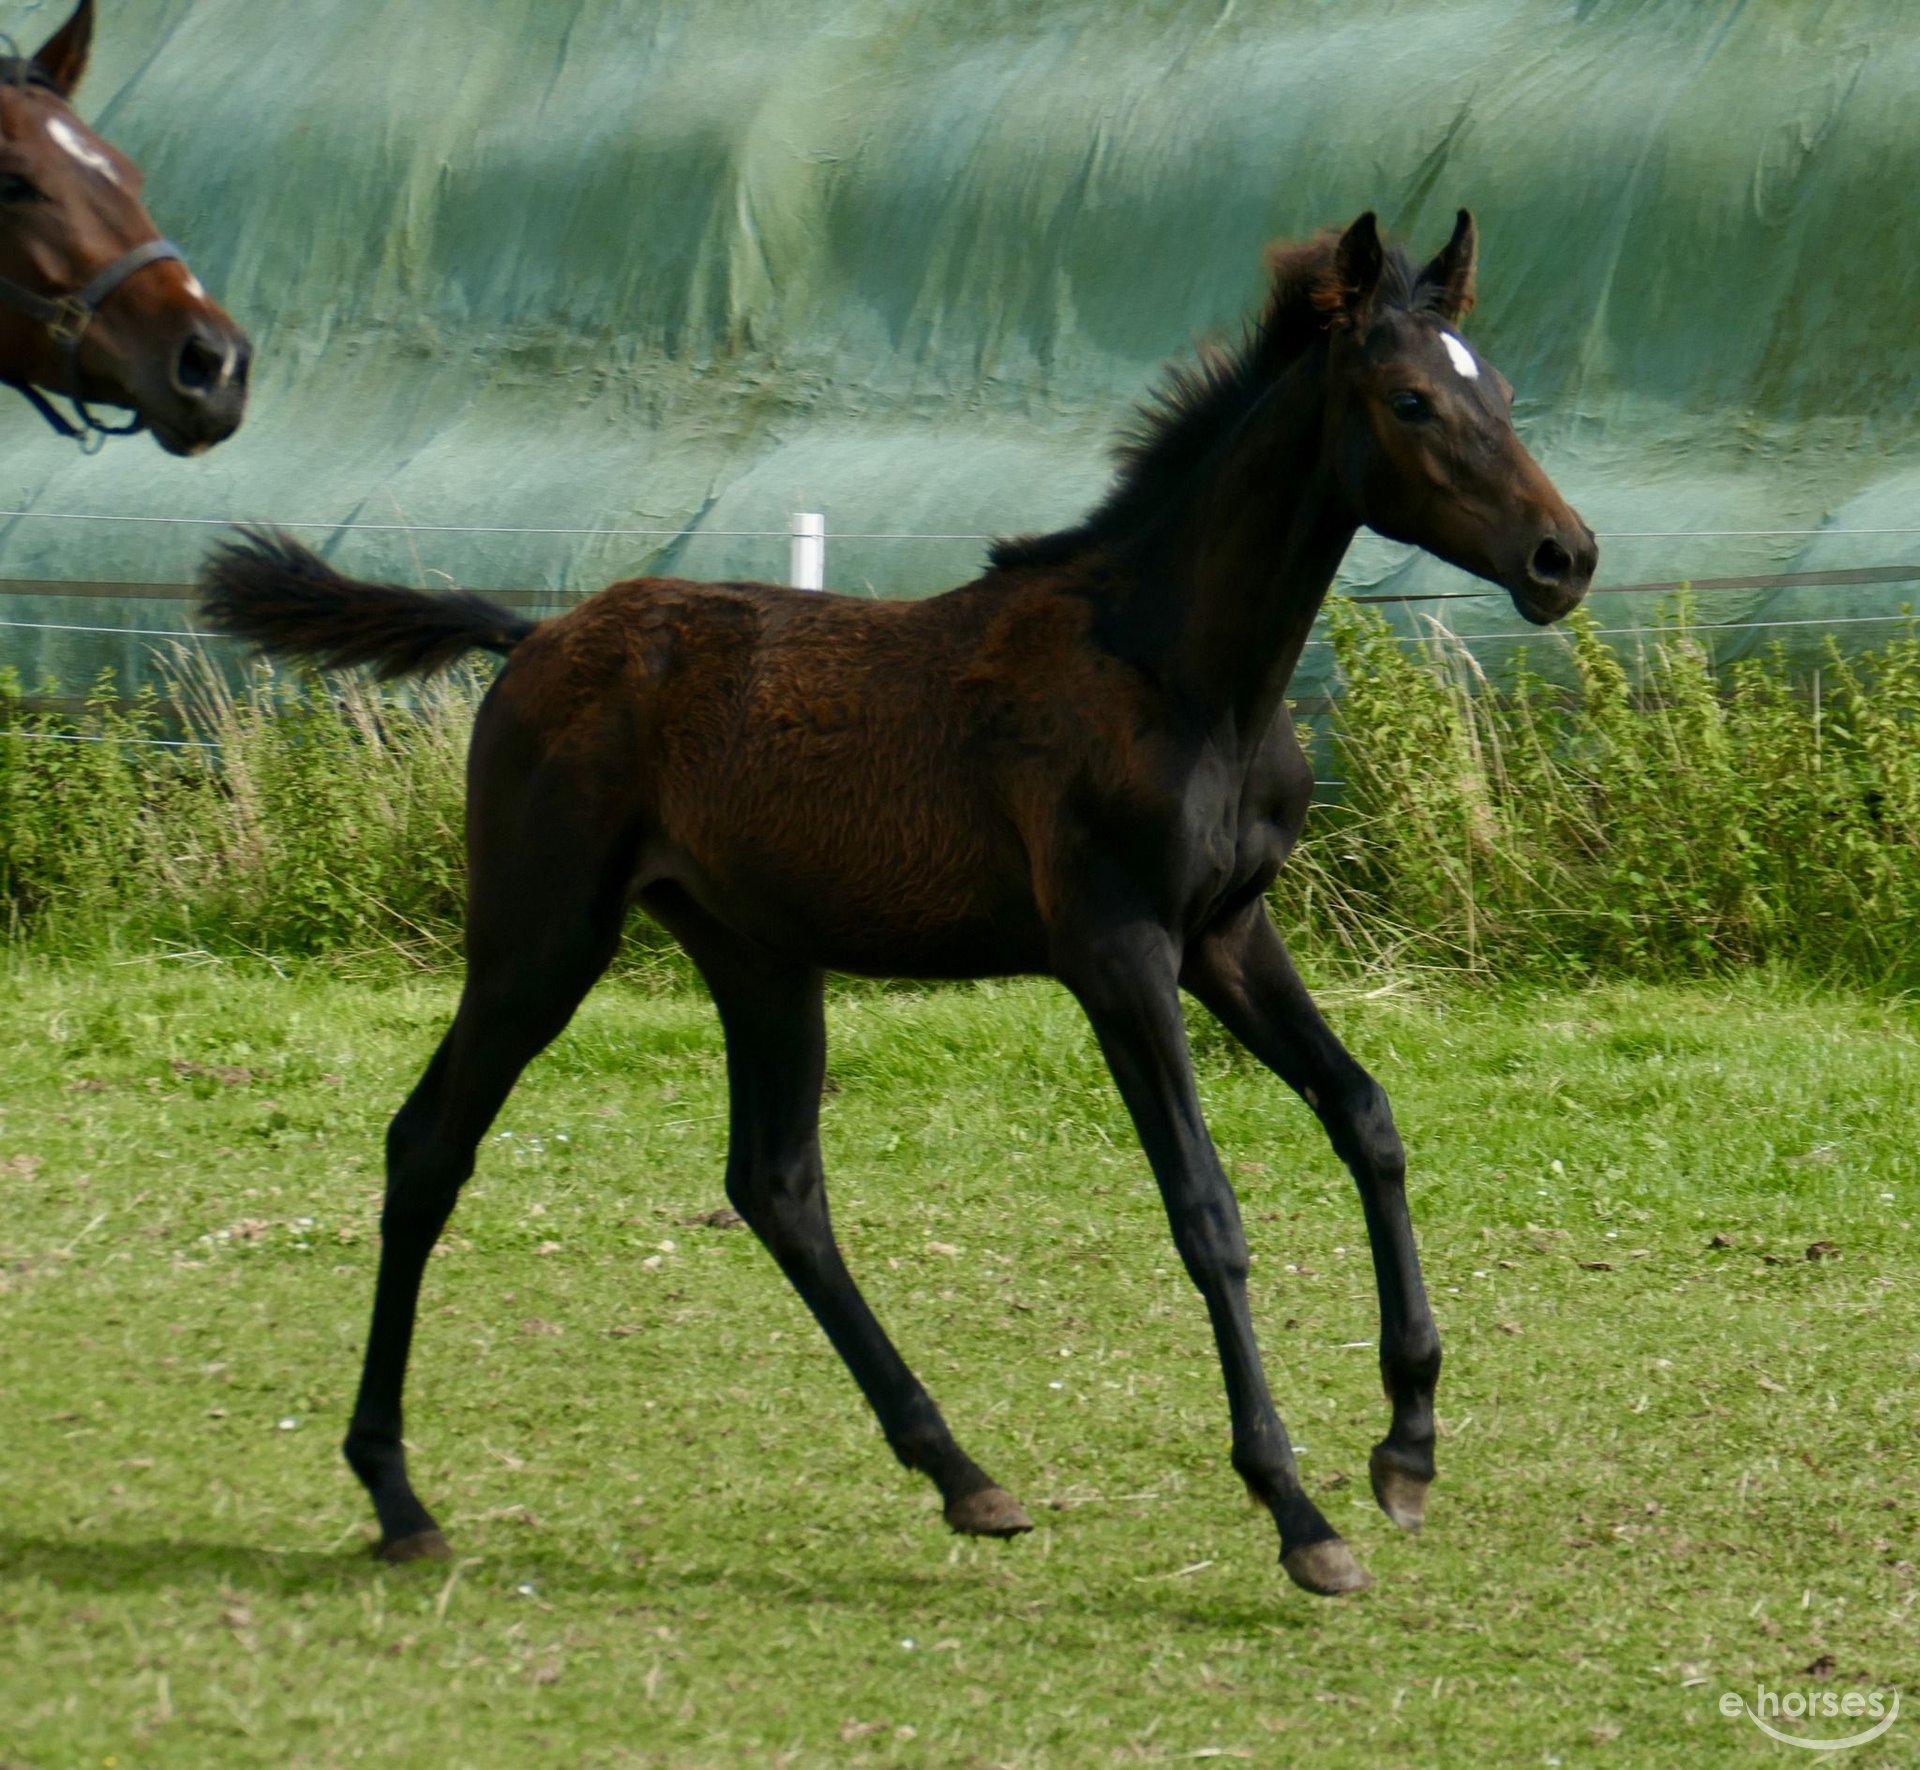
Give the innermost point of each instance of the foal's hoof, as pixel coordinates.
(992, 1511)
(1326, 1568)
(1402, 1496)
(423, 1545)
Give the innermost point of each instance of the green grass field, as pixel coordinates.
(1679, 1455)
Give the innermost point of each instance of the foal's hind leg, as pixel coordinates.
(776, 1064)
(542, 925)
(1242, 972)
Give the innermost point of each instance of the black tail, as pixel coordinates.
(289, 603)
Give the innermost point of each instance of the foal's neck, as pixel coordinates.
(1241, 556)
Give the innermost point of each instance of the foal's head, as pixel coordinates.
(1420, 426)
(70, 210)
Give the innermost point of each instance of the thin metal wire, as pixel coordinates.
(1402, 638)
(688, 534)
(75, 737)
(1707, 629)
(71, 737)
(133, 632)
(392, 528)
(1737, 534)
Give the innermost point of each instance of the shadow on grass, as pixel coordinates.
(855, 1587)
(104, 1566)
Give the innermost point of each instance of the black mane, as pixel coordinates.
(1197, 403)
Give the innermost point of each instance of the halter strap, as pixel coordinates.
(66, 318)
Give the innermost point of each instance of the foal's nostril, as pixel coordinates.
(1551, 562)
(203, 365)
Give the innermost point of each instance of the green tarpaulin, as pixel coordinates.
(519, 267)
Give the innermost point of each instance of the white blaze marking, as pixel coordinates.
(1461, 357)
(76, 144)
(193, 287)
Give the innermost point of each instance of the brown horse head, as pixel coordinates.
(1421, 426)
(93, 303)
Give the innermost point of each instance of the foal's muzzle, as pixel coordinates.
(1558, 572)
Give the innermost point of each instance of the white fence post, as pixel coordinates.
(807, 568)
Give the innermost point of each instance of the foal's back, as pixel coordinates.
(873, 785)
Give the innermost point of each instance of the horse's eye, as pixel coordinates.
(1410, 406)
(15, 189)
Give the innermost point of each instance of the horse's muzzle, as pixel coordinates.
(206, 393)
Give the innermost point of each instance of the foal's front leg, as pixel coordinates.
(1126, 979)
(1242, 972)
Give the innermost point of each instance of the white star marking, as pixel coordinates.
(1461, 357)
(77, 145)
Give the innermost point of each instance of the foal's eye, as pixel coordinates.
(1410, 406)
(15, 189)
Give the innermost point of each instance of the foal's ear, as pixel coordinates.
(63, 57)
(1357, 263)
(1452, 270)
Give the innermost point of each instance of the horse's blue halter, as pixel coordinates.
(67, 317)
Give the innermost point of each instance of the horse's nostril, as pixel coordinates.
(1551, 562)
(202, 366)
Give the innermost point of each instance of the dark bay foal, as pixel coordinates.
(1081, 764)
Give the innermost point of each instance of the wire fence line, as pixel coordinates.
(807, 535)
(107, 591)
(687, 534)
(154, 743)
(16, 735)
(132, 632)
(1708, 629)
(1437, 633)
(1880, 575)
(1904, 575)
(1704, 629)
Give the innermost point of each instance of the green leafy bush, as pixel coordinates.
(287, 817)
(1665, 822)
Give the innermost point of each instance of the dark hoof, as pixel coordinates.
(423, 1545)
(1326, 1568)
(1402, 1496)
(990, 1512)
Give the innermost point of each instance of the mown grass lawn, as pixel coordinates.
(1671, 1469)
